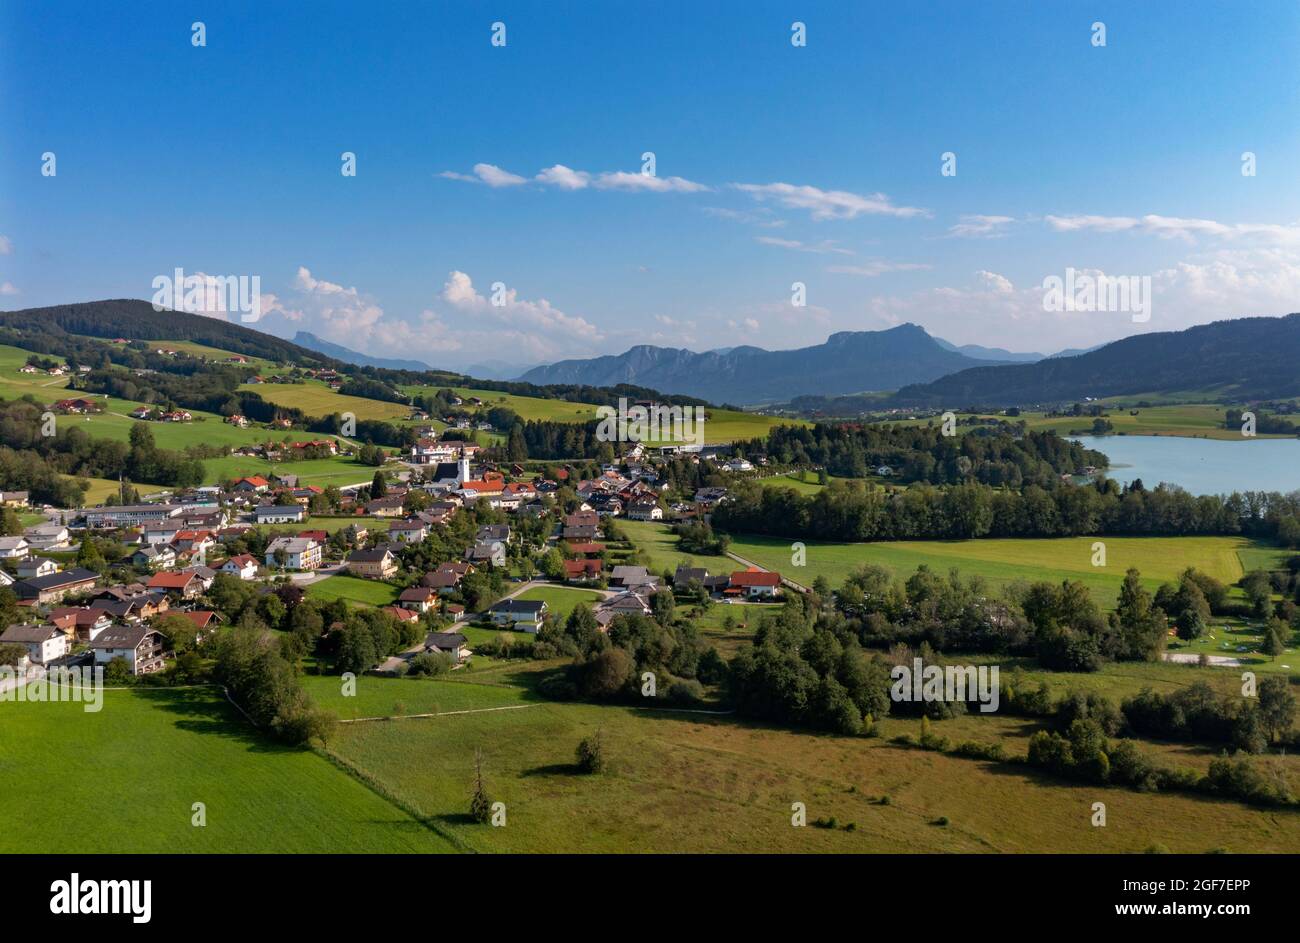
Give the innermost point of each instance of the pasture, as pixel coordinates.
(560, 599)
(354, 589)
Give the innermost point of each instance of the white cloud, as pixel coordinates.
(566, 178)
(563, 177)
(638, 182)
(828, 204)
(877, 267)
(6, 247)
(7, 288)
(826, 246)
(554, 328)
(490, 174)
(1174, 227)
(977, 226)
(761, 216)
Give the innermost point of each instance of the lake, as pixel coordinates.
(1202, 466)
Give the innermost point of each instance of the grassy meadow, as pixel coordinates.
(151, 754)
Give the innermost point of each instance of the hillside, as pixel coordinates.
(1244, 359)
(848, 362)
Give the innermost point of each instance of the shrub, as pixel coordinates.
(591, 753)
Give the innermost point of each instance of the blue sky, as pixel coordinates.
(818, 164)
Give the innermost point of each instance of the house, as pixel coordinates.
(447, 576)
(624, 604)
(582, 571)
(385, 507)
(84, 623)
(400, 614)
(494, 553)
(185, 584)
(44, 642)
(755, 584)
(140, 646)
(448, 643)
(408, 531)
(685, 574)
(204, 621)
(13, 548)
(709, 497)
(243, 565)
(418, 598)
(36, 566)
(522, 615)
(884, 471)
(493, 533)
(375, 563)
(154, 557)
(645, 509)
(13, 499)
(53, 587)
(280, 513)
(238, 420)
(297, 553)
(75, 406)
(142, 412)
(47, 537)
(254, 483)
(738, 465)
(630, 576)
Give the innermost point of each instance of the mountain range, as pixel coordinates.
(1243, 359)
(848, 362)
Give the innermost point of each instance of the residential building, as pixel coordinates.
(53, 587)
(376, 563)
(298, 553)
(44, 642)
(140, 646)
(243, 565)
(280, 513)
(522, 615)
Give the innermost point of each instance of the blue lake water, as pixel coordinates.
(1202, 466)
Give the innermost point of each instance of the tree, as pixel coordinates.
(378, 485)
(1275, 637)
(480, 805)
(1276, 706)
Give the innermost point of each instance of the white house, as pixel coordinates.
(47, 537)
(243, 565)
(44, 642)
(13, 548)
(140, 646)
(280, 513)
(300, 553)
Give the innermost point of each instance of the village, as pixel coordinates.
(528, 530)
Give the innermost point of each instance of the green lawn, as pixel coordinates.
(378, 696)
(149, 755)
(353, 589)
(560, 599)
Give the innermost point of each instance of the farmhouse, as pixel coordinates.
(755, 584)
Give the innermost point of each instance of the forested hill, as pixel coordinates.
(1248, 358)
(134, 319)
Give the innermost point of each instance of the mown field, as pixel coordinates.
(1001, 561)
(148, 756)
(560, 599)
(316, 399)
(660, 545)
(1197, 420)
(352, 588)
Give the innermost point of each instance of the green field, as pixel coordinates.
(560, 599)
(353, 589)
(1000, 561)
(1198, 420)
(316, 399)
(152, 754)
(694, 783)
(378, 696)
(660, 545)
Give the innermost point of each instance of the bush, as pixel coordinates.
(591, 753)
